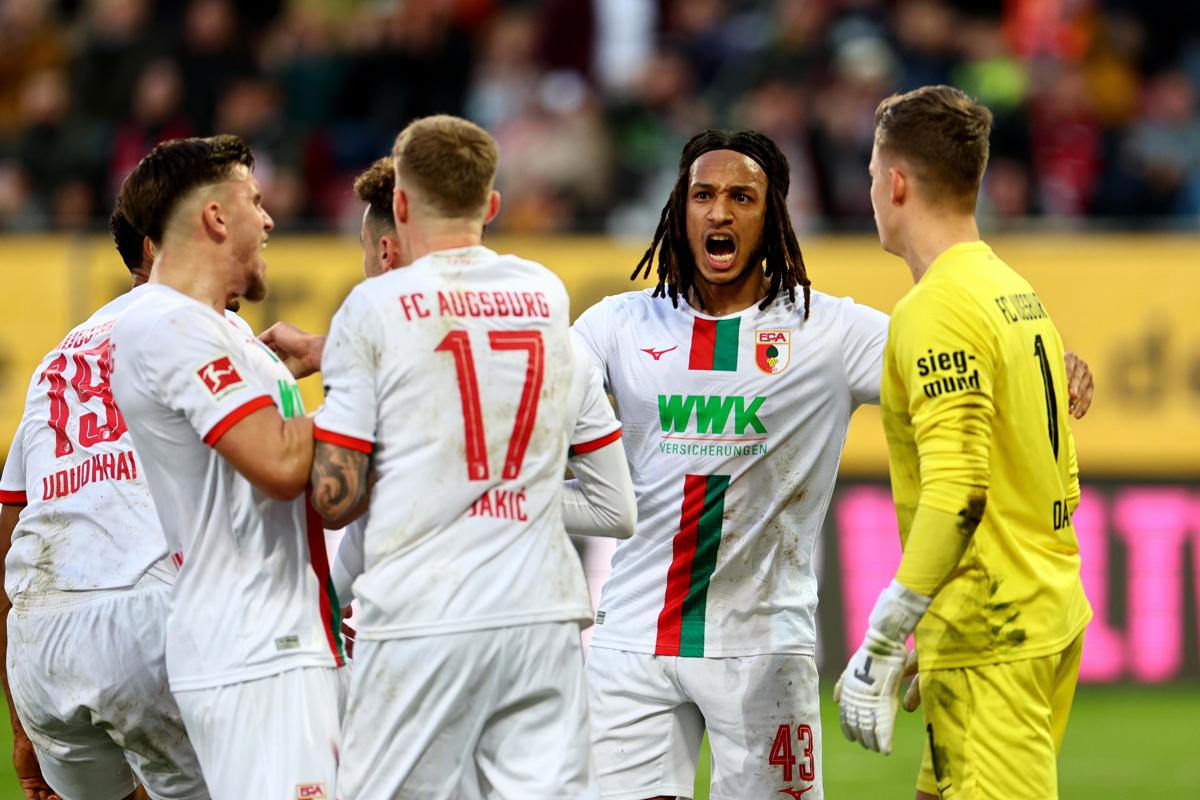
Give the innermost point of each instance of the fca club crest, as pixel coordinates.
(772, 350)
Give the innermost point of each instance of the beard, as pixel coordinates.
(256, 288)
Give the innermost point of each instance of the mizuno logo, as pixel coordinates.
(657, 354)
(796, 793)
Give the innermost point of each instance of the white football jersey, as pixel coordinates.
(89, 522)
(734, 428)
(253, 597)
(458, 374)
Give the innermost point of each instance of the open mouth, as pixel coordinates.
(720, 249)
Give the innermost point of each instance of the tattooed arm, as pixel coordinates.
(341, 485)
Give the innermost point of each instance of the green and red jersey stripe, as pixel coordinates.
(715, 344)
(694, 557)
(328, 599)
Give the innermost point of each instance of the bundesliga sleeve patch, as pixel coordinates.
(220, 377)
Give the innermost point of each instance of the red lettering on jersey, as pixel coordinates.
(110, 466)
(543, 307)
(502, 305)
(123, 472)
(485, 303)
(219, 375)
(772, 336)
(48, 487)
(413, 305)
(500, 504)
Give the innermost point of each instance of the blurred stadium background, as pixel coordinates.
(1093, 193)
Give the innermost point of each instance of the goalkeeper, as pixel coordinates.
(984, 479)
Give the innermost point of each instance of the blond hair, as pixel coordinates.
(449, 161)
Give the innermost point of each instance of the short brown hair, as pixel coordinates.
(173, 169)
(450, 161)
(944, 133)
(374, 187)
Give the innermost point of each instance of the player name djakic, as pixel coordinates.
(475, 304)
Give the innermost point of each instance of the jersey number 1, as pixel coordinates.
(91, 430)
(458, 344)
(1039, 350)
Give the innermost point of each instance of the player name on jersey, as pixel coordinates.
(448, 303)
(120, 466)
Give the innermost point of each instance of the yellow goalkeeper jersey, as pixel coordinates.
(975, 410)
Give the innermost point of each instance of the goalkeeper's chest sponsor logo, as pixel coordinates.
(311, 791)
(772, 350)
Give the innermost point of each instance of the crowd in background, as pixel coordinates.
(1096, 101)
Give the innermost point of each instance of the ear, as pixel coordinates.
(147, 252)
(493, 207)
(212, 216)
(899, 185)
(399, 206)
(389, 253)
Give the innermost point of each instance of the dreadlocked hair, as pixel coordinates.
(779, 252)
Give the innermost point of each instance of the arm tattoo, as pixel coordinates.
(339, 479)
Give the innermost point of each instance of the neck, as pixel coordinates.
(932, 233)
(719, 300)
(191, 272)
(422, 242)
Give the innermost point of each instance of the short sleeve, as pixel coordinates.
(12, 483)
(202, 371)
(595, 424)
(865, 332)
(944, 353)
(593, 331)
(348, 417)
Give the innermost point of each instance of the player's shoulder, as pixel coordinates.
(839, 311)
(632, 306)
(159, 315)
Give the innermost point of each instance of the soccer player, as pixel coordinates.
(735, 384)
(89, 577)
(217, 418)
(983, 474)
(455, 375)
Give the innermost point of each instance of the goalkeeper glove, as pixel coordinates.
(869, 690)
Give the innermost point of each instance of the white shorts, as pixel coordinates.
(650, 712)
(274, 738)
(497, 713)
(89, 681)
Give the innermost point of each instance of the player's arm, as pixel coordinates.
(197, 366)
(273, 453)
(864, 336)
(299, 350)
(341, 488)
(349, 561)
(25, 763)
(953, 438)
(600, 500)
(345, 425)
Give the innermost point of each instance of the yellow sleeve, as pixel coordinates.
(945, 355)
